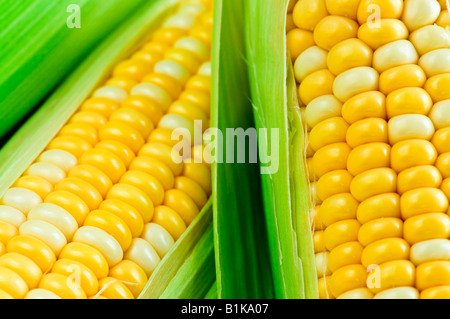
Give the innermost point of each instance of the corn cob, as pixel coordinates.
(375, 99)
(101, 206)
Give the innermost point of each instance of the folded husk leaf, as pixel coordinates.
(241, 249)
(285, 191)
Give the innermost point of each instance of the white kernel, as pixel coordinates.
(111, 92)
(46, 232)
(182, 126)
(355, 81)
(430, 250)
(192, 8)
(158, 237)
(143, 254)
(21, 198)
(205, 69)
(60, 158)
(418, 13)
(181, 20)
(322, 108)
(39, 293)
(322, 264)
(57, 216)
(440, 114)
(436, 62)
(429, 38)
(11, 215)
(398, 293)
(50, 172)
(101, 240)
(154, 92)
(193, 45)
(410, 126)
(394, 54)
(311, 60)
(173, 69)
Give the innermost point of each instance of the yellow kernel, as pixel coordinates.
(70, 202)
(36, 184)
(327, 132)
(332, 183)
(111, 224)
(380, 228)
(386, 8)
(100, 105)
(431, 274)
(155, 168)
(348, 54)
(408, 75)
(23, 266)
(79, 273)
(348, 278)
(391, 274)
(438, 292)
(33, 248)
(373, 182)
(426, 226)
(169, 220)
(341, 232)
(315, 85)
(59, 284)
(12, 284)
(134, 197)
(418, 177)
(88, 256)
(409, 153)
(344, 255)
(127, 213)
(410, 100)
(438, 87)
(332, 30)
(384, 250)
(88, 193)
(93, 176)
(145, 105)
(368, 156)
(106, 161)
(307, 13)
(423, 200)
(131, 274)
(124, 133)
(338, 207)
(365, 105)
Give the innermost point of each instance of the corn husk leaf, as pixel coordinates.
(38, 49)
(285, 190)
(187, 271)
(32, 138)
(241, 249)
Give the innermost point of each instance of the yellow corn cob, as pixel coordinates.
(105, 201)
(375, 98)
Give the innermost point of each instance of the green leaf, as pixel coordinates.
(285, 191)
(241, 244)
(38, 50)
(38, 131)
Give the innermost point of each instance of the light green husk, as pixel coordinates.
(285, 192)
(38, 49)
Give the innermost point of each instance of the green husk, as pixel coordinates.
(241, 249)
(285, 192)
(37, 132)
(38, 49)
